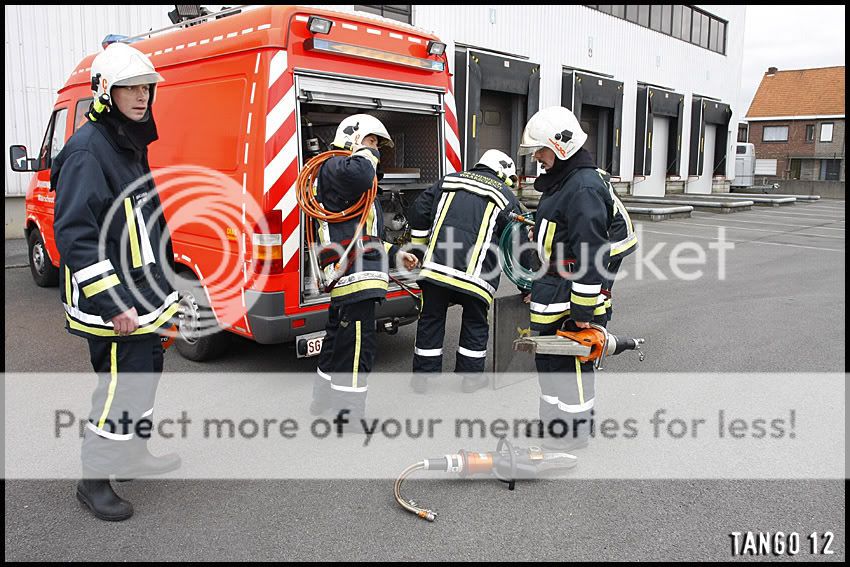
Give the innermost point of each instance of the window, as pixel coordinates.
(677, 21)
(400, 13)
(666, 11)
(740, 150)
(54, 138)
(655, 17)
(703, 37)
(643, 15)
(810, 132)
(713, 34)
(830, 169)
(58, 141)
(775, 134)
(721, 38)
(687, 14)
(697, 27)
(80, 117)
(826, 132)
(682, 22)
(795, 168)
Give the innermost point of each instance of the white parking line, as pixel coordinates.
(795, 233)
(748, 241)
(789, 214)
(778, 223)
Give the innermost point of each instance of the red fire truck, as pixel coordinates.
(248, 98)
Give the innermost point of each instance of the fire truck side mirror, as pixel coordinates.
(19, 160)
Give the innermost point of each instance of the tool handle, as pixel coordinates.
(626, 344)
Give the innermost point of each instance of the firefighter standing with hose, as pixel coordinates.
(455, 222)
(355, 261)
(573, 233)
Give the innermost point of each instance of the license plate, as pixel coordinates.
(309, 345)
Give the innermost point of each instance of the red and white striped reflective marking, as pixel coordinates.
(452, 142)
(281, 156)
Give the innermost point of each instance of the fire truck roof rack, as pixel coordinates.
(193, 21)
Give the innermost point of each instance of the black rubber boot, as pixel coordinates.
(98, 496)
(319, 407)
(143, 463)
(473, 382)
(419, 383)
(321, 403)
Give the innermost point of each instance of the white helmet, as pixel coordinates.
(352, 130)
(555, 128)
(501, 164)
(120, 65)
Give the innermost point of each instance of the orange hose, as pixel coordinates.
(313, 209)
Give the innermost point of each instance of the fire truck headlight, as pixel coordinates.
(319, 25)
(436, 48)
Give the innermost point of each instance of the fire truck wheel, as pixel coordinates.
(43, 271)
(200, 337)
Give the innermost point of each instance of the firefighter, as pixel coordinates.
(113, 243)
(623, 241)
(348, 350)
(572, 232)
(454, 223)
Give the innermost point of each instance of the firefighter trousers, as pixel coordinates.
(121, 416)
(567, 393)
(431, 330)
(348, 353)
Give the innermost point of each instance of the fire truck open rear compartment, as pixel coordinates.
(413, 117)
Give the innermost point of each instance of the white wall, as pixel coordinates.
(577, 36)
(43, 45)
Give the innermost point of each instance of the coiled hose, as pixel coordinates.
(313, 209)
(511, 266)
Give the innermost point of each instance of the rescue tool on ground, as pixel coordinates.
(592, 344)
(507, 463)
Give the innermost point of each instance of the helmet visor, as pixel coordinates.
(146, 79)
(528, 150)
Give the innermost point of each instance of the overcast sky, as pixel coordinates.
(789, 37)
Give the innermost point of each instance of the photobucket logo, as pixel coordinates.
(685, 261)
(192, 201)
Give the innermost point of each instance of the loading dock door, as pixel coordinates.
(597, 102)
(491, 79)
(702, 185)
(655, 102)
(654, 184)
(495, 122)
(704, 112)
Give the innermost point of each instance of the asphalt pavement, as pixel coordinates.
(779, 307)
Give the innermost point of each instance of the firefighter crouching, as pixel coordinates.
(572, 231)
(348, 349)
(113, 243)
(454, 223)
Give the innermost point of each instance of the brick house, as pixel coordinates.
(797, 123)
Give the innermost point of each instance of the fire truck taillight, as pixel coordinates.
(268, 244)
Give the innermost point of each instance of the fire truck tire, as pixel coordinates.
(199, 338)
(43, 271)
